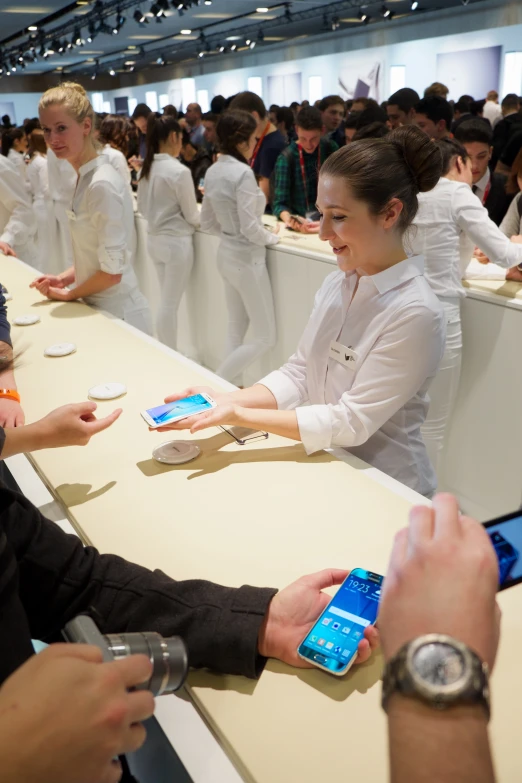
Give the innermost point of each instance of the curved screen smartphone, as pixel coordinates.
(180, 409)
(332, 642)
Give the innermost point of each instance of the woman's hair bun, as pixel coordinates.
(75, 87)
(422, 156)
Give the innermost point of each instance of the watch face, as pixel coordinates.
(439, 664)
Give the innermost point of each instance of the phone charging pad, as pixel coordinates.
(107, 391)
(60, 349)
(26, 320)
(7, 296)
(176, 452)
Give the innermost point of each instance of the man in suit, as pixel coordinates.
(490, 188)
(505, 129)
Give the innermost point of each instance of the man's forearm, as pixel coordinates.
(427, 745)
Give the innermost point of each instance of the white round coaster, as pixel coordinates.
(107, 391)
(176, 452)
(60, 349)
(26, 320)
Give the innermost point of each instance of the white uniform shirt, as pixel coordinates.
(166, 198)
(17, 222)
(233, 204)
(62, 179)
(374, 407)
(18, 163)
(119, 161)
(444, 213)
(480, 187)
(37, 176)
(492, 112)
(102, 232)
(512, 223)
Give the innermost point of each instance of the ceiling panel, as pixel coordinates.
(284, 21)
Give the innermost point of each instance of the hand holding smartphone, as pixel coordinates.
(171, 412)
(333, 641)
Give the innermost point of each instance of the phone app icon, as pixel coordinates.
(377, 592)
(345, 654)
(337, 650)
(327, 620)
(357, 634)
(346, 629)
(336, 626)
(321, 642)
(313, 638)
(329, 645)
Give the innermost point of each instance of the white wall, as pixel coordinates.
(25, 103)
(419, 57)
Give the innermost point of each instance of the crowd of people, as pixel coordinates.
(404, 193)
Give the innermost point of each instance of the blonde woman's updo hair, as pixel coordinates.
(74, 99)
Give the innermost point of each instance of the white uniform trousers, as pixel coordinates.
(445, 385)
(249, 300)
(173, 258)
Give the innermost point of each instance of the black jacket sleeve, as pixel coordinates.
(5, 327)
(57, 578)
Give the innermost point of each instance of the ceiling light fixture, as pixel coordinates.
(120, 21)
(186, 32)
(414, 5)
(364, 17)
(33, 28)
(208, 2)
(385, 12)
(464, 2)
(261, 10)
(160, 60)
(140, 18)
(336, 23)
(112, 72)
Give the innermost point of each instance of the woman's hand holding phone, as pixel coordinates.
(224, 413)
(442, 578)
(294, 610)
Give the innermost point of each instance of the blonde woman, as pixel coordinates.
(101, 219)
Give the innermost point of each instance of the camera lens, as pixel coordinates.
(169, 658)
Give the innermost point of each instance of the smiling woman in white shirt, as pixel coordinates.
(446, 214)
(360, 376)
(14, 147)
(232, 208)
(101, 219)
(166, 199)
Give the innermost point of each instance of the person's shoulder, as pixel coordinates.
(274, 141)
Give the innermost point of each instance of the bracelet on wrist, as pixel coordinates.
(10, 394)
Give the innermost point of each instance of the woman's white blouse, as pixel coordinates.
(394, 325)
(18, 163)
(38, 178)
(234, 204)
(166, 198)
(17, 222)
(119, 161)
(445, 212)
(102, 230)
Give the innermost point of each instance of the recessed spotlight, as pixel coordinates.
(233, 38)
(208, 2)
(414, 5)
(261, 10)
(33, 28)
(185, 32)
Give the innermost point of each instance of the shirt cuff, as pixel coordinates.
(315, 427)
(7, 237)
(284, 390)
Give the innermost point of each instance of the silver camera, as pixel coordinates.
(169, 656)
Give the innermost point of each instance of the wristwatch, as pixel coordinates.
(438, 670)
(10, 394)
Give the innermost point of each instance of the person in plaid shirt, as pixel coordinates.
(297, 172)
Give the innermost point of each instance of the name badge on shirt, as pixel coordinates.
(70, 214)
(342, 354)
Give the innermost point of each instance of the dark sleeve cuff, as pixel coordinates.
(2, 439)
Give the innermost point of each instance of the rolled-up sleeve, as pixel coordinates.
(105, 207)
(401, 361)
(473, 218)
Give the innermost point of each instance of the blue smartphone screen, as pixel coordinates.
(188, 406)
(506, 536)
(333, 640)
